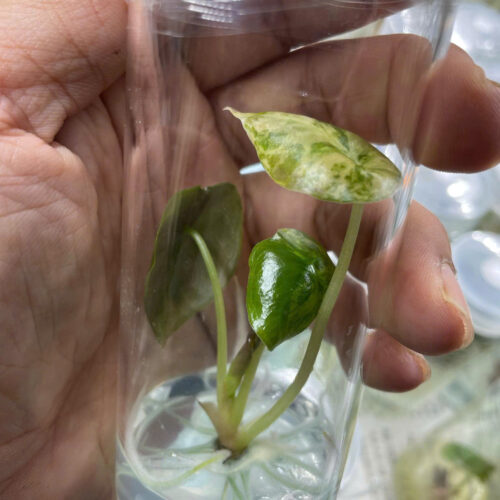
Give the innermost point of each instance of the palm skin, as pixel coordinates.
(60, 195)
(60, 230)
(61, 114)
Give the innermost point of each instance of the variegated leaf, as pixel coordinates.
(312, 157)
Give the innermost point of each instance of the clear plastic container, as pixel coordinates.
(208, 411)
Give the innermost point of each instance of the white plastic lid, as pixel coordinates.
(459, 200)
(477, 258)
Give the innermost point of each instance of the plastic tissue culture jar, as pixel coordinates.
(241, 338)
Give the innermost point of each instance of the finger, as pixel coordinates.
(450, 134)
(389, 366)
(264, 36)
(55, 58)
(414, 294)
(386, 364)
(329, 82)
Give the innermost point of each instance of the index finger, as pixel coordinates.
(221, 44)
(383, 88)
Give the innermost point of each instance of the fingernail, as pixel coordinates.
(453, 295)
(449, 263)
(423, 365)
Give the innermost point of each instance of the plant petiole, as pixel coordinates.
(241, 399)
(220, 315)
(252, 430)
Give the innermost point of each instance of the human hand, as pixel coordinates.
(61, 114)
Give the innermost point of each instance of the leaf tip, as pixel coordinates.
(235, 112)
(160, 334)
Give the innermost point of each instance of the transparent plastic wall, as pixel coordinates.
(223, 396)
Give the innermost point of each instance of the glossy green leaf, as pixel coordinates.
(289, 275)
(469, 460)
(312, 157)
(178, 285)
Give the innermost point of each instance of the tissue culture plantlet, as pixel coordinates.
(292, 282)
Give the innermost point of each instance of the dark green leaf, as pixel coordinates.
(289, 274)
(177, 285)
(316, 158)
(469, 460)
